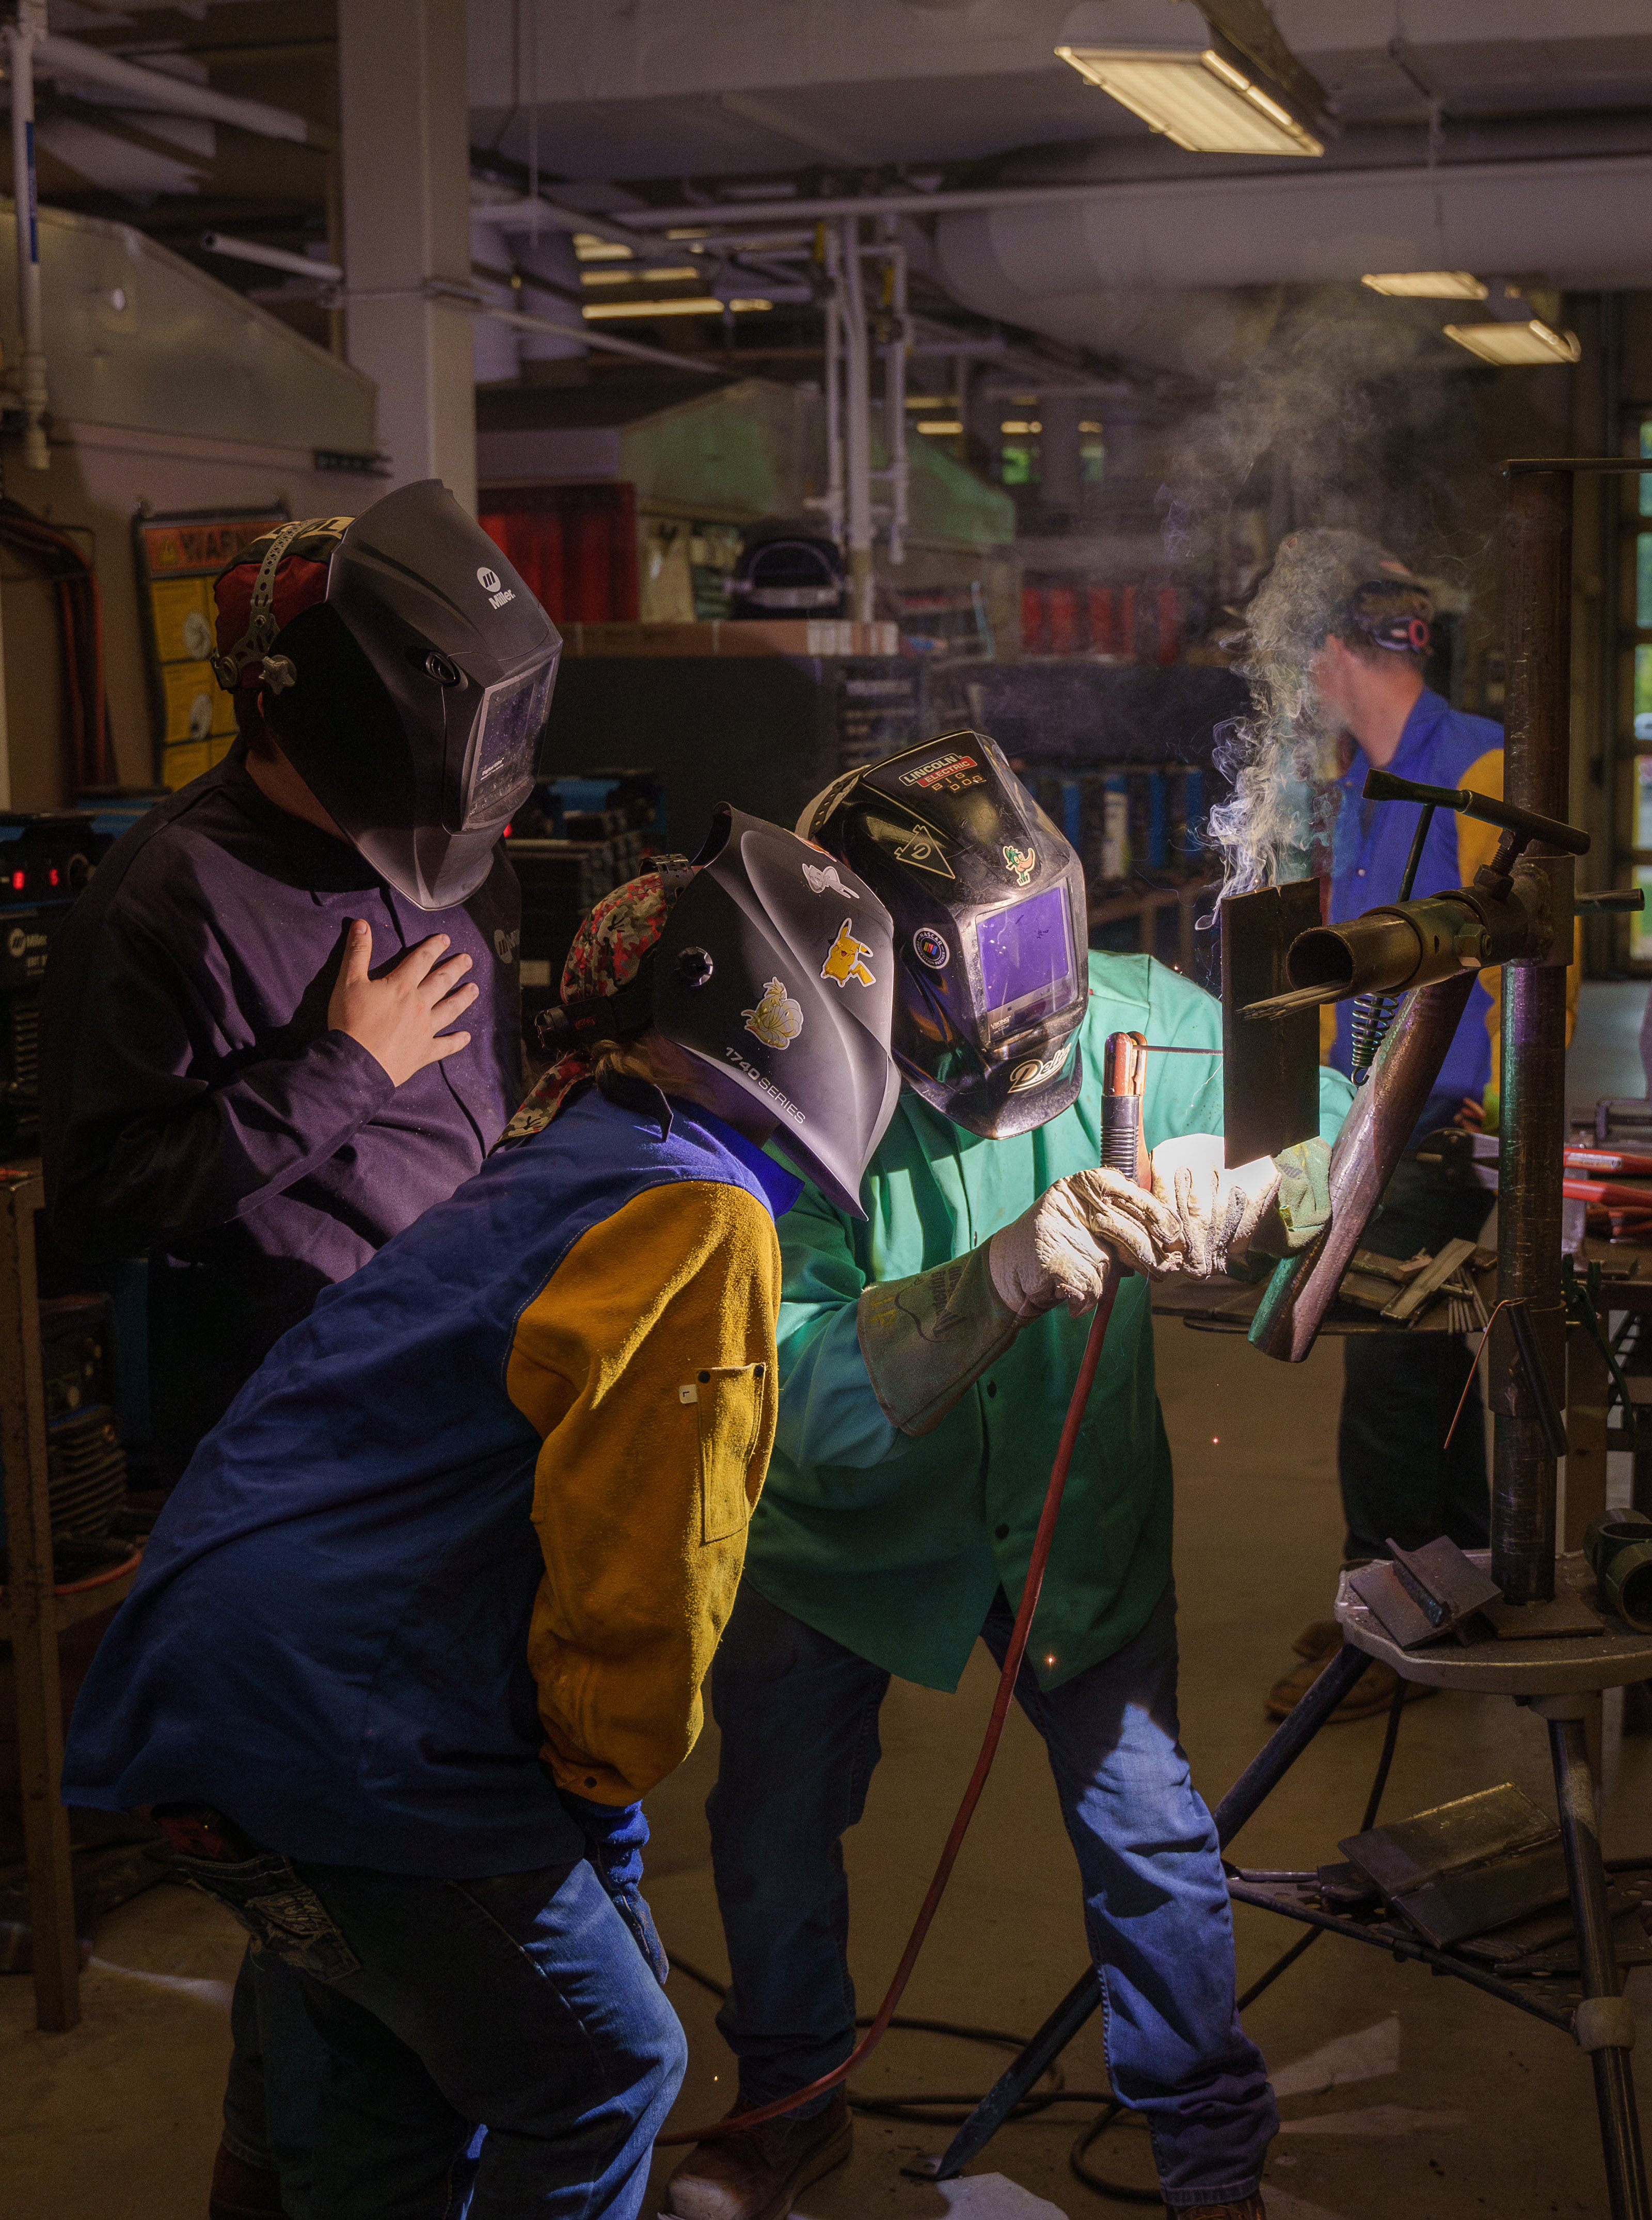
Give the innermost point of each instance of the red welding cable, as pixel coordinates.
(739, 2123)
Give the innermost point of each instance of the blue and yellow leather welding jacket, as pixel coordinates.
(896, 1546)
(472, 1533)
(1442, 746)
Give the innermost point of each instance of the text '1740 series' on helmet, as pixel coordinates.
(412, 700)
(777, 969)
(990, 921)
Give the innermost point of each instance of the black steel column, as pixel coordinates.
(1608, 2047)
(1537, 572)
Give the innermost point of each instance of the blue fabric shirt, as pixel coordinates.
(1438, 745)
(328, 1640)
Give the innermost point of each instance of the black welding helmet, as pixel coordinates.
(411, 700)
(775, 966)
(787, 570)
(990, 923)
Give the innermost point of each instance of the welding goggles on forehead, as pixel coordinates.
(1392, 614)
(991, 927)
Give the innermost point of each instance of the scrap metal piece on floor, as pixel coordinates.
(1467, 1867)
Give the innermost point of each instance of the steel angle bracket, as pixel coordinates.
(1270, 1070)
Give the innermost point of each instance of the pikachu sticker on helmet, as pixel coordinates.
(846, 959)
(777, 1019)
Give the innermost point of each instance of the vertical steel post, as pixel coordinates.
(1537, 590)
(857, 426)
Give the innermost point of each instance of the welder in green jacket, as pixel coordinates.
(927, 1358)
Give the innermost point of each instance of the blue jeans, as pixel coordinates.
(798, 1714)
(518, 2004)
(275, 2076)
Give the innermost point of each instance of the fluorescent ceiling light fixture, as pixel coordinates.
(631, 277)
(940, 427)
(698, 304)
(930, 401)
(589, 248)
(1197, 99)
(1510, 344)
(1086, 426)
(1428, 284)
(1018, 430)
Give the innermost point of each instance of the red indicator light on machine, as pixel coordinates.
(54, 875)
(19, 881)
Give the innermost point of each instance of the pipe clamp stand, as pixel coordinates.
(1605, 2023)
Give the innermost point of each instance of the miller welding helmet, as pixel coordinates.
(991, 927)
(411, 696)
(766, 961)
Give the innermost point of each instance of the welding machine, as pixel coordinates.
(46, 858)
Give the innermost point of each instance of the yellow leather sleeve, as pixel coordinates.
(647, 1363)
(1477, 844)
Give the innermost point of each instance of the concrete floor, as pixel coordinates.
(1453, 2106)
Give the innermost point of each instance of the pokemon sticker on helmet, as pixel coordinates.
(777, 1019)
(1022, 861)
(846, 959)
(828, 881)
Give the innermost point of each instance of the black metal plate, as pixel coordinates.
(1270, 1072)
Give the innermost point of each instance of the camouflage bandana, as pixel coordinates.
(607, 954)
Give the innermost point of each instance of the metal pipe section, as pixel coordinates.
(1537, 555)
(834, 492)
(895, 393)
(23, 40)
(1614, 2091)
(171, 95)
(857, 427)
(1379, 1127)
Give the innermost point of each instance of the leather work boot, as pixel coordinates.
(1251, 2209)
(1317, 1644)
(755, 2177)
(240, 2191)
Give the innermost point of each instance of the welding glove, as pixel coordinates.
(1304, 1198)
(615, 1836)
(926, 1340)
(1217, 1211)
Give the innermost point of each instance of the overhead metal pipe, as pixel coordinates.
(24, 39)
(270, 258)
(175, 95)
(1537, 615)
(858, 428)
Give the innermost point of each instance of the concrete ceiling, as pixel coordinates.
(672, 88)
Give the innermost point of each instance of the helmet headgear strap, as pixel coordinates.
(278, 671)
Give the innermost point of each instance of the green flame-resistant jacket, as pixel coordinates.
(896, 1546)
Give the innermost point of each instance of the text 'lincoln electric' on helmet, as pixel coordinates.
(412, 700)
(991, 927)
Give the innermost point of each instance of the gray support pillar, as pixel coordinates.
(407, 230)
(1059, 486)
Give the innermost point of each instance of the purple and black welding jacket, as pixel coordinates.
(196, 1107)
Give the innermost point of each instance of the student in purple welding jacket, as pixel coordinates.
(1362, 624)
(284, 1020)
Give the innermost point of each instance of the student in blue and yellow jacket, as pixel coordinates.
(1398, 1478)
(429, 1613)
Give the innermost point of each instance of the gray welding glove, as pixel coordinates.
(927, 1339)
(1218, 1212)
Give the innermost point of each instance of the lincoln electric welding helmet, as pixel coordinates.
(991, 927)
(410, 696)
(775, 967)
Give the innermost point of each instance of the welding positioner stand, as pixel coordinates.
(1558, 1677)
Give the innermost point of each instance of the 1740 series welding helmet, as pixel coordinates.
(990, 926)
(412, 695)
